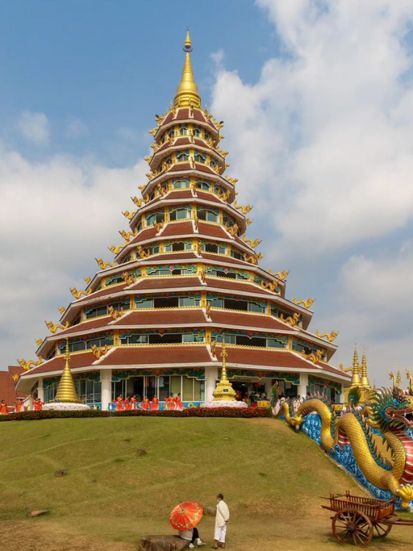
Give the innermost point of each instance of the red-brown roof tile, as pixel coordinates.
(174, 282)
(179, 228)
(112, 289)
(162, 316)
(244, 319)
(57, 364)
(263, 357)
(161, 355)
(209, 197)
(147, 233)
(213, 230)
(86, 326)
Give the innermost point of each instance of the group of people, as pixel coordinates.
(130, 403)
(37, 405)
(220, 531)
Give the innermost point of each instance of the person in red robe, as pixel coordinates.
(18, 405)
(127, 405)
(179, 406)
(119, 403)
(145, 404)
(3, 408)
(133, 402)
(169, 402)
(155, 404)
(38, 405)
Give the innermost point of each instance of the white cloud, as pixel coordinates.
(56, 216)
(34, 127)
(322, 147)
(324, 137)
(75, 128)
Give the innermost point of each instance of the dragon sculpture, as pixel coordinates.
(387, 415)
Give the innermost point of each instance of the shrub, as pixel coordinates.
(244, 413)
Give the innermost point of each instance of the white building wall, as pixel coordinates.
(211, 376)
(106, 382)
(40, 389)
(302, 387)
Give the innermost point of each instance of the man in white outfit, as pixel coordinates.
(221, 521)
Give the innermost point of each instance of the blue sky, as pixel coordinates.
(115, 64)
(317, 99)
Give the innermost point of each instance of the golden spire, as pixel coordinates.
(187, 94)
(364, 377)
(355, 379)
(224, 390)
(66, 391)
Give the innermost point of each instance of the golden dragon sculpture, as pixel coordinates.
(389, 411)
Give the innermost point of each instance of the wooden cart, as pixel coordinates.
(358, 519)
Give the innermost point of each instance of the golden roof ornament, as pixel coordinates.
(66, 391)
(224, 390)
(187, 94)
(364, 372)
(355, 371)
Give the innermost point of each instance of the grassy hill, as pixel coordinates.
(125, 474)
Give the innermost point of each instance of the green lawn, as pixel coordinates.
(271, 477)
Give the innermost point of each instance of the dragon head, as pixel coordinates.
(391, 409)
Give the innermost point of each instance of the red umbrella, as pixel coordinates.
(186, 515)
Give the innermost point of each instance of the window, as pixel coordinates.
(123, 305)
(196, 132)
(95, 312)
(114, 279)
(213, 248)
(303, 347)
(144, 302)
(236, 254)
(203, 185)
(190, 300)
(182, 156)
(199, 157)
(183, 131)
(256, 307)
(198, 336)
(228, 220)
(211, 215)
(277, 342)
(235, 304)
(100, 341)
(158, 271)
(180, 213)
(154, 218)
(171, 133)
(134, 338)
(207, 136)
(181, 184)
(251, 341)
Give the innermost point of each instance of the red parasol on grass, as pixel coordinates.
(186, 515)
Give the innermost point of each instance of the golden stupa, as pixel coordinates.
(66, 391)
(224, 390)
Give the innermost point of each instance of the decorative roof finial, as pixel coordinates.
(187, 94)
(364, 376)
(224, 390)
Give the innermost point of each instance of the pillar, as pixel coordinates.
(106, 388)
(211, 376)
(268, 388)
(302, 387)
(40, 389)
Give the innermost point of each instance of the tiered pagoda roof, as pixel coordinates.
(185, 277)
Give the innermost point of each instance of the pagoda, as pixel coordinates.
(184, 280)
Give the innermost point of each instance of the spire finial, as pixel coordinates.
(355, 380)
(187, 94)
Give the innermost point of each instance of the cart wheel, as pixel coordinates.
(381, 530)
(351, 525)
